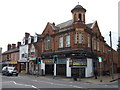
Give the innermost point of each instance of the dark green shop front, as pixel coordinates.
(60, 66)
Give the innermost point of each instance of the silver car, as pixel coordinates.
(9, 71)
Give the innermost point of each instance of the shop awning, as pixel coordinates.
(23, 60)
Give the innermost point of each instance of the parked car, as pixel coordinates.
(9, 71)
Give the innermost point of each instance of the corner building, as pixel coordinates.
(73, 47)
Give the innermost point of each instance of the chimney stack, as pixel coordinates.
(27, 35)
(53, 23)
(9, 47)
(18, 44)
(13, 46)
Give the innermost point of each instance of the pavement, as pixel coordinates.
(105, 79)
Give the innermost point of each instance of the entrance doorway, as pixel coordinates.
(79, 72)
(61, 69)
(49, 69)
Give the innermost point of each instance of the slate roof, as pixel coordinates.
(89, 25)
(78, 7)
(64, 24)
(11, 51)
(68, 23)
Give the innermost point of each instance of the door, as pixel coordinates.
(82, 72)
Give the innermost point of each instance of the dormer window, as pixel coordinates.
(35, 38)
(29, 39)
(23, 41)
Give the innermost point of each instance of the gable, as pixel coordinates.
(48, 30)
(95, 28)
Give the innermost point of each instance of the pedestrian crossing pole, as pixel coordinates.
(100, 61)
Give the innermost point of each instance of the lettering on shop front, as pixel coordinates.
(78, 62)
(48, 61)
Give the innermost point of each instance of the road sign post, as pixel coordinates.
(100, 61)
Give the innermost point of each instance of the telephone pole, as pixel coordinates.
(112, 66)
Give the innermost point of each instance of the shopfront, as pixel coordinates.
(49, 66)
(23, 65)
(81, 67)
(61, 66)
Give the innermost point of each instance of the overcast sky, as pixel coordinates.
(20, 16)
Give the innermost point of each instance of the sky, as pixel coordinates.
(20, 16)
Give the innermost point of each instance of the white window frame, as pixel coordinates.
(68, 41)
(60, 42)
(35, 38)
(29, 39)
(23, 41)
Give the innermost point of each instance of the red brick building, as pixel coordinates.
(77, 46)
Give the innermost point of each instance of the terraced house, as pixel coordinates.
(11, 56)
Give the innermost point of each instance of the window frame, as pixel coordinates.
(67, 41)
(80, 38)
(61, 42)
(48, 43)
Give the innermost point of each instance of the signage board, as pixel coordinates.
(78, 62)
(100, 59)
(48, 61)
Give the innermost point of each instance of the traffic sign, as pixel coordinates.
(100, 59)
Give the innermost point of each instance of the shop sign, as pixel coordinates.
(79, 62)
(48, 60)
(31, 55)
(13, 62)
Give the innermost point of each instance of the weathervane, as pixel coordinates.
(78, 2)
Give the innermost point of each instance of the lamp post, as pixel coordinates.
(111, 55)
(55, 62)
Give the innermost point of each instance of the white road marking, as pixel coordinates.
(58, 84)
(19, 84)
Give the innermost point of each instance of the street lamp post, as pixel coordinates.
(111, 55)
